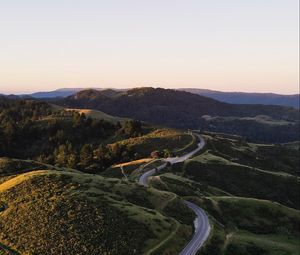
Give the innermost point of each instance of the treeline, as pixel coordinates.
(36, 130)
(179, 109)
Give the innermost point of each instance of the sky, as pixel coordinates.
(232, 45)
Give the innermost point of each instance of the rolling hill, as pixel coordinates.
(248, 98)
(247, 190)
(68, 181)
(228, 97)
(186, 110)
(63, 212)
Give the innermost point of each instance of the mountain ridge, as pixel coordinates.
(184, 110)
(248, 97)
(234, 97)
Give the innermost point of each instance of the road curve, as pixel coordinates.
(202, 230)
(201, 222)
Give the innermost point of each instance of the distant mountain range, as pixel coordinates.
(64, 92)
(188, 110)
(184, 110)
(228, 97)
(248, 98)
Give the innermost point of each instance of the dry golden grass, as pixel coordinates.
(98, 115)
(134, 162)
(19, 179)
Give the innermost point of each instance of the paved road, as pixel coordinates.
(200, 146)
(202, 229)
(201, 222)
(144, 178)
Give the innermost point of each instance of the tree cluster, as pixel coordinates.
(36, 130)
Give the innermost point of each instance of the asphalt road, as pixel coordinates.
(201, 222)
(202, 229)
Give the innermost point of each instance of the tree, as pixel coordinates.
(132, 128)
(167, 153)
(61, 155)
(86, 155)
(72, 160)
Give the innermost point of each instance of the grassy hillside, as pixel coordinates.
(99, 115)
(9, 168)
(161, 140)
(184, 110)
(90, 143)
(183, 186)
(246, 170)
(251, 226)
(68, 194)
(279, 158)
(48, 211)
(239, 225)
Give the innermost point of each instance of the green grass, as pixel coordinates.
(262, 119)
(183, 186)
(243, 243)
(49, 210)
(241, 169)
(246, 226)
(192, 145)
(10, 167)
(4, 250)
(273, 158)
(158, 139)
(208, 158)
(293, 145)
(254, 215)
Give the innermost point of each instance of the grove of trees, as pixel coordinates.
(36, 130)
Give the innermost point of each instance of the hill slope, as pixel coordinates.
(248, 98)
(185, 110)
(58, 212)
(228, 97)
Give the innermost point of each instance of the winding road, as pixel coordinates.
(201, 222)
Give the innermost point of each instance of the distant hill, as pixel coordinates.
(99, 115)
(182, 109)
(248, 98)
(65, 92)
(227, 97)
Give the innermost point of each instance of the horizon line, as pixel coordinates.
(128, 88)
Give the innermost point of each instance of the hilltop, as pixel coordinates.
(248, 98)
(181, 109)
(228, 97)
(60, 212)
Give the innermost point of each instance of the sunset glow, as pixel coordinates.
(222, 45)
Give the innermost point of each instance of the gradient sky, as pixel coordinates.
(229, 45)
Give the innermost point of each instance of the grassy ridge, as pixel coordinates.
(88, 214)
(236, 182)
(246, 226)
(246, 182)
(276, 158)
(159, 139)
(245, 170)
(99, 115)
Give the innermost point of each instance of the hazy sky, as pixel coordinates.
(230, 45)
